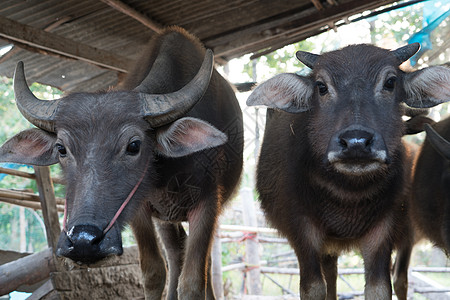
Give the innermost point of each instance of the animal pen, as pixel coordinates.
(96, 40)
(50, 277)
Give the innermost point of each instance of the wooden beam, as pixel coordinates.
(301, 35)
(317, 4)
(264, 35)
(48, 202)
(27, 270)
(129, 11)
(55, 44)
(251, 243)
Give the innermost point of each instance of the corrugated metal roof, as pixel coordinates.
(231, 28)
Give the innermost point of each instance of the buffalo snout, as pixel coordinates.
(88, 244)
(356, 150)
(356, 143)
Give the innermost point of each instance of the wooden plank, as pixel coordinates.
(129, 11)
(216, 266)
(27, 270)
(42, 291)
(55, 44)
(432, 289)
(251, 243)
(48, 203)
(317, 4)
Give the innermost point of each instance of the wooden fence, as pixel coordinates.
(52, 272)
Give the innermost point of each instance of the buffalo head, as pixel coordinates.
(107, 144)
(354, 102)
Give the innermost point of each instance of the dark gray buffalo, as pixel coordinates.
(333, 172)
(430, 198)
(430, 208)
(172, 143)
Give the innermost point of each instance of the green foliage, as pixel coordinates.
(280, 61)
(10, 229)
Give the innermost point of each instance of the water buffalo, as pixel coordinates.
(333, 172)
(171, 141)
(430, 198)
(430, 208)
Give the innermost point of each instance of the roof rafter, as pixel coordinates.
(267, 34)
(40, 40)
(129, 11)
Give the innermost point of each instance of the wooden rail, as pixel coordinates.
(27, 175)
(23, 198)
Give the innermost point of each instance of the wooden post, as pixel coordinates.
(251, 243)
(48, 203)
(216, 259)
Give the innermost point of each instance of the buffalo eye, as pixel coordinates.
(323, 89)
(62, 150)
(389, 85)
(134, 147)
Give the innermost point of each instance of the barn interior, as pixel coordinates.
(90, 45)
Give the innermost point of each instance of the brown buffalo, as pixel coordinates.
(166, 149)
(333, 172)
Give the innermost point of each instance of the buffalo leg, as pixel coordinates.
(376, 270)
(400, 271)
(312, 283)
(329, 267)
(152, 263)
(193, 279)
(173, 237)
(446, 224)
(307, 249)
(400, 268)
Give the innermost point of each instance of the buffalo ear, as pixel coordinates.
(186, 136)
(32, 147)
(288, 92)
(427, 87)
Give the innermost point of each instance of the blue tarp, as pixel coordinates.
(433, 15)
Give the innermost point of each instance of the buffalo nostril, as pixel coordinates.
(356, 139)
(343, 143)
(85, 234)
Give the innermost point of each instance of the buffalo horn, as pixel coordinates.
(161, 109)
(308, 59)
(441, 145)
(38, 112)
(404, 53)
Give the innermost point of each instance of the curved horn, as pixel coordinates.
(162, 109)
(441, 145)
(404, 53)
(308, 59)
(38, 112)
